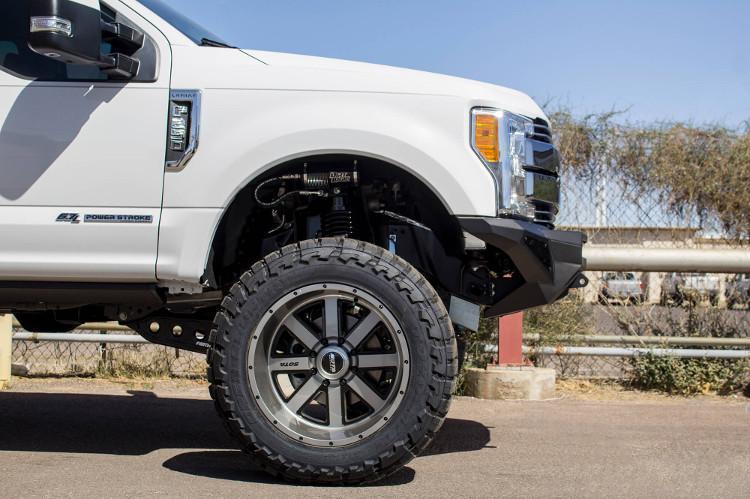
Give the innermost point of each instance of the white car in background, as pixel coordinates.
(690, 287)
(622, 287)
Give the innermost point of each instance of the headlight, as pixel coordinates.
(500, 140)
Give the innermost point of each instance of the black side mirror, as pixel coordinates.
(72, 31)
(68, 30)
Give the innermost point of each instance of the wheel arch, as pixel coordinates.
(239, 209)
(453, 203)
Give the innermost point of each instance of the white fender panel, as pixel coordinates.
(185, 237)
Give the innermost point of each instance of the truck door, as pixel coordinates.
(81, 159)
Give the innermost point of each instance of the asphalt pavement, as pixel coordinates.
(65, 438)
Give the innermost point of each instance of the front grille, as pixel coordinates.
(542, 131)
(544, 212)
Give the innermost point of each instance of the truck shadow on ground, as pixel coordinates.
(140, 423)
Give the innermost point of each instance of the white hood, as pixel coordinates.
(366, 77)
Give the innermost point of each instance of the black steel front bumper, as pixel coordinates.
(549, 262)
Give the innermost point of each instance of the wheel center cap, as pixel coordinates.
(333, 362)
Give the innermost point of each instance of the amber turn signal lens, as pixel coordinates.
(486, 137)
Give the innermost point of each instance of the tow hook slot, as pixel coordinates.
(580, 281)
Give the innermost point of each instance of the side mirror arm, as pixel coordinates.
(126, 41)
(119, 66)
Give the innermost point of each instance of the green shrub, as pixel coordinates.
(688, 376)
(554, 324)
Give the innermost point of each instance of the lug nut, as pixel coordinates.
(154, 327)
(177, 330)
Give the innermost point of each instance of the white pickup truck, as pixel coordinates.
(320, 228)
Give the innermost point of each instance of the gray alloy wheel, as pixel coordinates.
(332, 361)
(329, 363)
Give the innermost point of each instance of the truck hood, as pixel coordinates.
(366, 77)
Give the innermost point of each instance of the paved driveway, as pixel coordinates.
(94, 439)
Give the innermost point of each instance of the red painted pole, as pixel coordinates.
(510, 340)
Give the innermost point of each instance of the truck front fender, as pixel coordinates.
(427, 136)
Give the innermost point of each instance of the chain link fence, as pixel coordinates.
(615, 213)
(46, 358)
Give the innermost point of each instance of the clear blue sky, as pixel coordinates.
(668, 59)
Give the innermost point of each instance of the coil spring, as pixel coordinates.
(315, 180)
(338, 223)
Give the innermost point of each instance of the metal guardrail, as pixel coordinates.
(634, 351)
(89, 326)
(649, 340)
(726, 260)
(639, 352)
(128, 339)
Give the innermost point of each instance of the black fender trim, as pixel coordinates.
(550, 262)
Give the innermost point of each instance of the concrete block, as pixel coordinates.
(505, 383)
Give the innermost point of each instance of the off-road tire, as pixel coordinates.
(431, 342)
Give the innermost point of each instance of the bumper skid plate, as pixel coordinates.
(550, 262)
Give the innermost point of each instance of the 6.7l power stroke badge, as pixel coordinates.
(75, 218)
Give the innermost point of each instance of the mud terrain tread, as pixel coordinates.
(408, 281)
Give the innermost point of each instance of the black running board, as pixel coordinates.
(38, 296)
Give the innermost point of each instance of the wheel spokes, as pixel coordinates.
(331, 318)
(277, 364)
(374, 361)
(335, 406)
(366, 393)
(331, 366)
(304, 393)
(301, 331)
(363, 329)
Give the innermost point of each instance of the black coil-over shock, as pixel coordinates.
(339, 221)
